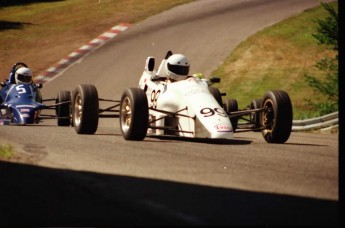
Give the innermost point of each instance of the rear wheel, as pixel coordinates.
(255, 116)
(276, 116)
(85, 109)
(134, 114)
(231, 105)
(63, 111)
(72, 92)
(217, 95)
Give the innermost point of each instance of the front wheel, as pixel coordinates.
(276, 116)
(85, 109)
(134, 114)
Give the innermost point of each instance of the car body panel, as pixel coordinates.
(21, 103)
(192, 109)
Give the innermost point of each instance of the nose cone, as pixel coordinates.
(29, 117)
(222, 130)
(222, 135)
(24, 115)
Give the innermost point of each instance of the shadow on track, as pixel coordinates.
(38, 196)
(5, 25)
(204, 140)
(305, 144)
(7, 3)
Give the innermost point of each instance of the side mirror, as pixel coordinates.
(214, 80)
(150, 64)
(39, 85)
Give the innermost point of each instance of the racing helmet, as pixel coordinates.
(23, 76)
(177, 67)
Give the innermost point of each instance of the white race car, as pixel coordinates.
(189, 108)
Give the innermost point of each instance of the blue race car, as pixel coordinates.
(21, 100)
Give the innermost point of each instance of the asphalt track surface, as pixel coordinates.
(65, 179)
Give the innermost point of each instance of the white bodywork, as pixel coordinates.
(187, 105)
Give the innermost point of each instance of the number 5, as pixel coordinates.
(20, 90)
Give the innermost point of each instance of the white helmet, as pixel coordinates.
(23, 76)
(177, 67)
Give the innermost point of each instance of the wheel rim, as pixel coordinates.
(268, 116)
(78, 110)
(126, 114)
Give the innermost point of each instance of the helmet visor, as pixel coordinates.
(178, 69)
(24, 78)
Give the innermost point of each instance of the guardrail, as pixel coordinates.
(326, 121)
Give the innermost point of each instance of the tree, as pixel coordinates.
(327, 30)
(327, 84)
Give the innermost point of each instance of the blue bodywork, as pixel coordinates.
(20, 103)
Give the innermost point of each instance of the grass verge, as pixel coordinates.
(6, 151)
(277, 57)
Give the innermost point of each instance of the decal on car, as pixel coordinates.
(20, 89)
(207, 112)
(222, 128)
(154, 97)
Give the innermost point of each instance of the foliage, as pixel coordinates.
(6, 151)
(327, 84)
(327, 30)
(277, 57)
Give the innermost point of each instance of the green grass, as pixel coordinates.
(6, 151)
(277, 57)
